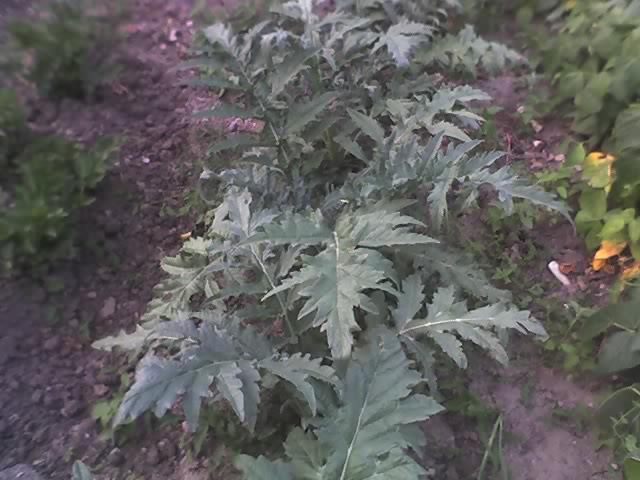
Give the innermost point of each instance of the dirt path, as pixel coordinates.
(49, 375)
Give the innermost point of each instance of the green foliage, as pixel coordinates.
(12, 126)
(619, 323)
(68, 52)
(594, 63)
(316, 274)
(357, 440)
(607, 198)
(465, 52)
(619, 423)
(54, 179)
(104, 411)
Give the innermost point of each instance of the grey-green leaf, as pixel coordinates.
(223, 110)
(80, 471)
(300, 115)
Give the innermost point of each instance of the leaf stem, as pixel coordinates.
(283, 307)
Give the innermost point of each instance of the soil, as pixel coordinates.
(50, 377)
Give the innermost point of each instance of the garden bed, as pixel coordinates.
(51, 378)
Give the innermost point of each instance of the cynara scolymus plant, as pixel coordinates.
(338, 284)
(298, 72)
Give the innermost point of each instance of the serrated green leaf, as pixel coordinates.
(401, 38)
(369, 432)
(333, 282)
(297, 370)
(300, 115)
(124, 340)
(368, 126)
(289, 69)
(224, 110)
(409, 300)
(263, 469)
(237, 141)
(295, 229)
(230, 386)
(213, 356)
(447, 317)
(351, 147)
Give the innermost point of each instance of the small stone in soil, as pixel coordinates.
(71, 408)
(36, 396)
(152, 457)
(82, 431)
(109, 308)
(167, 449)
(52, 343)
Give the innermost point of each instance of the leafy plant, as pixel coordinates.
(104, 411)
(68, 52)
(55, 179)
(594, 65)
(316, 274)
(607, 202)
(619, 421)
(465, 52)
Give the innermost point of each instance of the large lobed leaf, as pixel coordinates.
(334, 281)
(370, 431)
(449, 321)
(228, 361)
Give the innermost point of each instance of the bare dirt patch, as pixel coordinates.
(50, 377)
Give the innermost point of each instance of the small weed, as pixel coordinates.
(489, 427)
(489, 129)
(619, 425)
(527, 393)
(54, 180)
(564, 321)
(69, 454)
(104, 411)
(493, 454)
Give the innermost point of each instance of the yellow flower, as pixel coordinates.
(596, 158)
(607, 250)
(570, 4)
